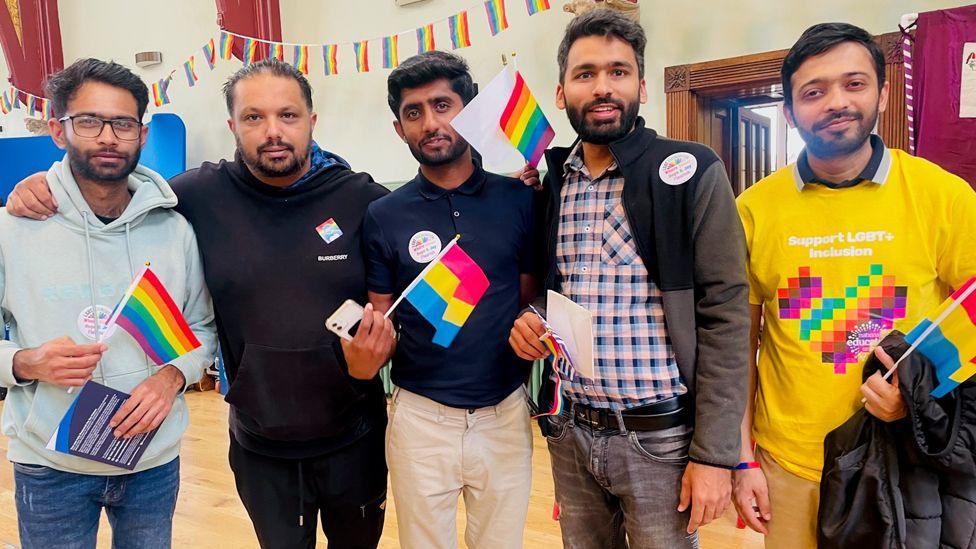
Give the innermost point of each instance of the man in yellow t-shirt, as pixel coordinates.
(852, 241)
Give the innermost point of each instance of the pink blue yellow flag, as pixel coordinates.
(947, 337)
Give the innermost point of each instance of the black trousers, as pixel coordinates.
(284, 497)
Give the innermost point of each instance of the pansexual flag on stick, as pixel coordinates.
(361, 49)
(425, 38)
(301, 59)
(446, 292)
(149, 315)
(460, 33)
(210, 53)
(497, 19)
(391, 54)
(329, 55)
(947, 337)
(535, 6)
(505, 123)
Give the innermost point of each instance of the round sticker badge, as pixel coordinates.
(424, 246)
(678, 168)
(86, 322)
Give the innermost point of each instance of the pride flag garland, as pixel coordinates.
(330, 57)
(210, 54)
(524, 123)
(226, 46)
(361, 49)
(425, 38)
(947, 337)
(497, 19)
(189, 70)
(301, 59)
(460, 32)
(391, 54)
(535, 6)
(149, 314)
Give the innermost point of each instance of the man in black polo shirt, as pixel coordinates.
(459, 420)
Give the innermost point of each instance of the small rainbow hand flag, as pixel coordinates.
(525, 124)
(535, 6)
(149, 315)
(301, 59)
(361, 49)
(460, 33)
(447, 291)
(226, 46)
(277, 51)
(497, 19)
(947, 337)
(562, 365)
(191, 73)
(391, 54)
(210, 53)
(329, 55)
(425, 38)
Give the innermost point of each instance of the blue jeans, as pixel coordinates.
(56, 509)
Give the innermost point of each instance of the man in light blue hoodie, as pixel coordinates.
(58, 284)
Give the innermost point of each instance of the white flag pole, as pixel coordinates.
(421, 275)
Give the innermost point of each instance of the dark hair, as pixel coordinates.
(820, 38)
(271, 66)
(61, 86)
(426, 68)
(603, 22)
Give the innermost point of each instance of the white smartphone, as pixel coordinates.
(345, 320)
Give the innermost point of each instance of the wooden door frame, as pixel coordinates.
(689, 89)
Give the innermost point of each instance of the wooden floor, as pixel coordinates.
(209, 514)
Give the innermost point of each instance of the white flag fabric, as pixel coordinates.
(479, 124)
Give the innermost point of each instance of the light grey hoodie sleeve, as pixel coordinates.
(7, 348)
(198, 311)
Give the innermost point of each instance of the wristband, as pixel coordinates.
(747, 465)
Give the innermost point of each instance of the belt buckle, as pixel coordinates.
(584, 416)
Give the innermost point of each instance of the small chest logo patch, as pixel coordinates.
(86, 322)
(678, 168)
(424, 246)
(329, 230)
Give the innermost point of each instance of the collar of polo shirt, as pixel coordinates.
(472, 186)
(876, 170)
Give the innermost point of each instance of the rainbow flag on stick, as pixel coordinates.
(301, 59)
(446, 292)
(149, 315)
(562, 365)
(277, 51)
(535, 6)
(460, 33)
(210, 53)
(947, 337)
(226, 46)
(425, 38)
(189, 70)
(361, 49)
(391, 54)
(497, 20)
(525, 124)
(329, 55)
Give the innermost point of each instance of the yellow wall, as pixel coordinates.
(354, 120)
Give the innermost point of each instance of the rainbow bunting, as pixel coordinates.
(46, 109)
(329, 55)
(250, 49)
(524, 123)
(277, 51)
(15, 97)
(301, 59)
(447, 291)
(159, 92)
(391, 54)
(149, 315)
(947, 337)
(425, 38)
(460, 34)
(210, 54)
(497, 20)
(190, 72)
(535, 6)
(226, 46)
(31, 104)
(6, 106)
(361, 50)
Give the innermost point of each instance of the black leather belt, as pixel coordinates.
(653, 417)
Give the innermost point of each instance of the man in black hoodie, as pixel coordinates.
(279, 232)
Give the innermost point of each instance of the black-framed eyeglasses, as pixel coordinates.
(84, 125)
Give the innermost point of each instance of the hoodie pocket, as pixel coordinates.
(291, 394)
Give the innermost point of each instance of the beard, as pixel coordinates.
(282, 167)
(457, 149)
(603, 132)
(83, 165)
(835, 145)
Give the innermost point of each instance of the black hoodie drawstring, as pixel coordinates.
(301, 496)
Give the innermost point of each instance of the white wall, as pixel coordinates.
(354, 120)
